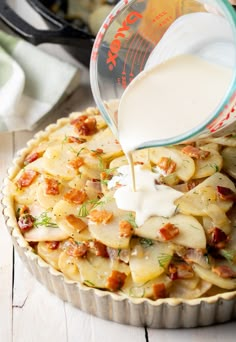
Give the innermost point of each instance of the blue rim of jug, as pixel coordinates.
(230, 14)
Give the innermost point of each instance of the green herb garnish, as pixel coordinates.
(145, 243)
(228, 254)
(164, 259)
(44, 220)
(89, 283)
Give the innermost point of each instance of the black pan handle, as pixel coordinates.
(63, 34)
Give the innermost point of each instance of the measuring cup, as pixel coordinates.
(139, 34)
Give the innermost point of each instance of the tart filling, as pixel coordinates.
(65, 208)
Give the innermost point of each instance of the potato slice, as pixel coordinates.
(179, 290)
(225, 141)
(208, 166)
(145, 290)
(139, 156)
(148, 259)
(229, 160)
(108, 233)
(46, 201)
(191, 233)
(213, 278)
(49, 255)
(26, 195)
(106, 141)
(44, 233)
(196, 200)
(68, 266)
(95, 270)
(185, 166)
(219, 218)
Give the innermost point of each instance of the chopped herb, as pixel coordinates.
(118, 252)
(146, 242)
(89, 283)
(91, 204)
(131, 219)
(44, 220)
(228, 254)
(164, 259)
(215, 167)
(78, 153)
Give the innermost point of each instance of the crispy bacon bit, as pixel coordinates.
(167, 165)
(180, 271)
(85, 125)
(31, 157)
(72, 139)
(99, 248)
(52, 186)
(138, 163)
(226, 194)
(25, 222)
(116, 280)
(100, 216)
(169, 231)
(76, 222)
(76, 196)
(218, 238)
(224, 271)
(52, 244)
(24, 210)
(195, 152)
(98, 151)
(27, 178)
(75, 249)
(77, 162)
(159, 291)
(105, 176)
(125, 229)
(192, 183)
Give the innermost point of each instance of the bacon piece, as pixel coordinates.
(218, 238)
(105, 176)
(27, 178)
(125, 229)
(224, 271)
(192, 183)
(116, 280)
(180, 271)
(76, 222)
(77, 162)
(159, 291)
(76, 196)
(195, 152)
(72, 139)
(53, 245)
(24, 210)
(75, 249)
(26, 222)
(98, 151)
(85, 125)
(169, 231)
(52, 186)
(226, 194)
(99, 248)
(100, 216)
(31, 157)
(167, 165)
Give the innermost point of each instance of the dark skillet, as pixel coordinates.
(77, 41)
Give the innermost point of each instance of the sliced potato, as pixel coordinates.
(44, 233)
(95, 270)
(208, 166)
(229, 159)
(185, 166)
(196, 200)
(107, 142)
(26, 195)
(213, 278)
(145, 290)
(191, 233)
(47, 201)
(68, 266)
(179, 290)
(51, 256)
(108, 233)
(148, 259)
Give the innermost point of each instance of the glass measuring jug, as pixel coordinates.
(139, 34)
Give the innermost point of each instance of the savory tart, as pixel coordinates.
(60, 208)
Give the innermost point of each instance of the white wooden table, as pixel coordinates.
(29, 313)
